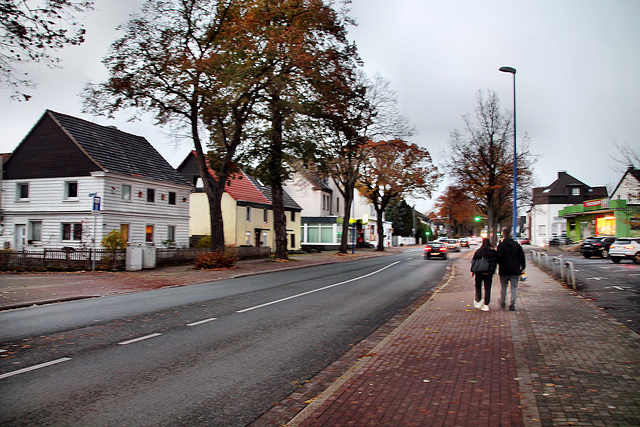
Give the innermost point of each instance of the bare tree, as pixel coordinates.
(481, 160)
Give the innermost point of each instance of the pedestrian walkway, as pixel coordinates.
(557, 360)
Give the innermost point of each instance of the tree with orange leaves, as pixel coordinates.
(458, 210)
(393, 169)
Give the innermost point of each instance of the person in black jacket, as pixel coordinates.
(511, 263)
(485, 251)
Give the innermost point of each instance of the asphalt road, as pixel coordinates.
(218, 353)
(612, 287)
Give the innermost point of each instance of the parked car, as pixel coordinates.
(596, 246)
(524, 241)
(453, 245)
(560, 241)
(628, 247)
(435, 249)
(464, 242)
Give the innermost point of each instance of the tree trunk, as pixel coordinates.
(276, 171)
(348, 201)
(380, 227)
(279, 222)
(214, 191)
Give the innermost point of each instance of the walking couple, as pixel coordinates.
(511, 262)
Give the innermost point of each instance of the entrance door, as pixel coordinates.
(20, 236)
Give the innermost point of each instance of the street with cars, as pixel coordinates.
(217, 353)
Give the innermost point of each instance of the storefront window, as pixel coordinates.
(606, 226)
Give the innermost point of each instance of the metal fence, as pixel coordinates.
(60, 259)
(177, 256)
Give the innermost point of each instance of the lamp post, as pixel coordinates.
(515, 157)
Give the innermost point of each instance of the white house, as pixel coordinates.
(71, 181)
(544, 219)
(323, 209)
(629, 187)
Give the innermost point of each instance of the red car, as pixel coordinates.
(435, 249)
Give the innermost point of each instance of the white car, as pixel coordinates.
(626, 247)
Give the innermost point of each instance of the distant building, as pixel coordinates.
(545, 221)
(618, 216)
(71, 181)
(323, 209)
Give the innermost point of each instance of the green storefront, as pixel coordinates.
(602, 217)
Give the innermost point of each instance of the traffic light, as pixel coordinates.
(477, 218)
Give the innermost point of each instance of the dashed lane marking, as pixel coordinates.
(33, 368)
(146, 337)
(200, 322)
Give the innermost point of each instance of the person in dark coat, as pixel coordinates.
(485, 277)
(511, 263)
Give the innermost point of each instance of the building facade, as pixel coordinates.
(545, 220)
(247, 210)
(70, 182)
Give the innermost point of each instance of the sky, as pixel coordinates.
(577, 80)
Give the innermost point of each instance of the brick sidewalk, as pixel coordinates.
(558, 360)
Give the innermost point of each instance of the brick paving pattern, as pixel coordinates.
(557, 361)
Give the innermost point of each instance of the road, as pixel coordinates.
(218, 353)
(612, 287)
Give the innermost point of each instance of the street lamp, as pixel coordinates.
(515, 165)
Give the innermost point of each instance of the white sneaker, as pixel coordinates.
(485, 308)
(478, 304)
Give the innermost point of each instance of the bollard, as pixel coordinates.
(572, 272)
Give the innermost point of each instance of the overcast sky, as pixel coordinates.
(577, 81)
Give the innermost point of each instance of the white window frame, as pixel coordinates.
(125, 192)
(19, 187)
(67, 192)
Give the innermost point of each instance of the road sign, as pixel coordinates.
(96, 203)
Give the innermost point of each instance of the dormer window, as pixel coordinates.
(575, 191)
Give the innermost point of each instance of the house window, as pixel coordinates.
(338, 204)
(171, 233)
(248, 213)
(293, 216)
(293, 241)
(72, 231)
(575, 191)
(172, 197)
(35, 231)
(151, 195)
(23, 191)
(265, 216)
(148, 234)
(265, 238)
(71, 190)
(125, 194)
(124, 232)
(247, 238)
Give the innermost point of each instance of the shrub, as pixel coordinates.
(114, 241)
(216, 259)
(204, 242)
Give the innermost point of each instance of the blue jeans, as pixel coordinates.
(506, 280)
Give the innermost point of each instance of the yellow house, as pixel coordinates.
(247, 210)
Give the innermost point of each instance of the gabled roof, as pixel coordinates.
(242, 187)
(557, 191)
(635, 173)
(105, 147)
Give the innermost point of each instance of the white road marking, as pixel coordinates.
(33, 368)
(200, 322)
(146, 337)
(316, 290)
